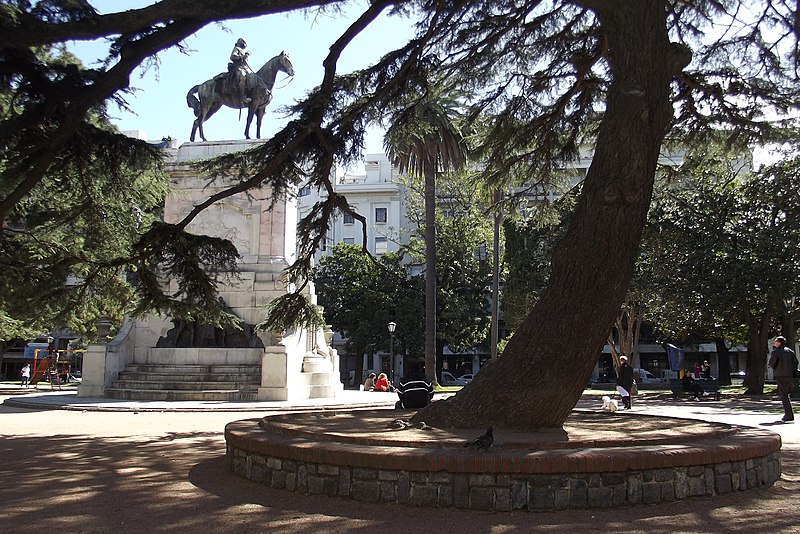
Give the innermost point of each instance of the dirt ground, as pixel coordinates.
(101, 472)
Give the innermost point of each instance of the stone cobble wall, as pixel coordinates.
(504, 492)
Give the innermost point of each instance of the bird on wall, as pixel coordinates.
(398, 424)
(483, 442)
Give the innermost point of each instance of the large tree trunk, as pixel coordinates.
(628, 325)
(756, 361)
(430, 272)
(757, 349)
(723, 362)
(546, 365)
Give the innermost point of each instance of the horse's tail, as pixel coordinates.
(192, 100)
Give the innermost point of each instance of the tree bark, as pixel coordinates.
(723, 362)
(430, 271)
(757, 350)
(756, 360)
(547, 363)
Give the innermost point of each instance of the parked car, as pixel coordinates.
(646, 377)
(449, 380)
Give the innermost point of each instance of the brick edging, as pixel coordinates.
(504, 479)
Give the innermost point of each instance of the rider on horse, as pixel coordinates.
(237, 72)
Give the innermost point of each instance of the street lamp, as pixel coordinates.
(788, 322)
(392, 325)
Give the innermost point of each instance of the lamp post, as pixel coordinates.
(788, 322)
(392, 325)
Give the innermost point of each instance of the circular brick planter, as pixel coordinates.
(596, 462)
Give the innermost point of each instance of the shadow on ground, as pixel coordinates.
(178, 483)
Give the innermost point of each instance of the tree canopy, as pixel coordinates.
(722, 250)
(543, 78)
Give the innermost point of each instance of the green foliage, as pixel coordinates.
(360, 295)
(62, 244)
(290, 311)
(529, 248)
(462, 278)
(86, 239)
(721, 244)
(538, 76)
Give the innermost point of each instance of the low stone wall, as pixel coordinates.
(503, 480)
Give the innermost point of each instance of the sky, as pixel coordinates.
(159, 104)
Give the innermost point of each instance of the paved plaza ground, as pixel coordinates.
(103, 467)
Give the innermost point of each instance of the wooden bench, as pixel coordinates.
(711, 387)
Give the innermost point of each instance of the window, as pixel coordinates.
(348, 241)
(380, 215)
(305, 191)
(381, 245)
(348, 219)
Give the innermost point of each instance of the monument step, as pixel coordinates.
(183, 386)
(254, 376)
(181, 395)
(193, 368)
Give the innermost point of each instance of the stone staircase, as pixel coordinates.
(185, 382)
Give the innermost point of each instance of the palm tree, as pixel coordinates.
(423, 140)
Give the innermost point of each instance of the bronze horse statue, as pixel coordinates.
(258, 87)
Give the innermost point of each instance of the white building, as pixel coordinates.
(376, 196)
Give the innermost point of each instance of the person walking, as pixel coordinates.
(625, 381)
(784, 363)
(26, 374)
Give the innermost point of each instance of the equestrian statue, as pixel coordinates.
(239, 88)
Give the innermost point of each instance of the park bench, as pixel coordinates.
(711, 387)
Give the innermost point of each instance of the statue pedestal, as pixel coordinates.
(263, 229)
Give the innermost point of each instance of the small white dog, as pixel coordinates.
(609, 404)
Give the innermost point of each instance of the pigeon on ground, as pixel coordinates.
(398, 424)
(483, 442)
(423, 426)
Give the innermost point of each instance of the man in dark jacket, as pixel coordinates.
(784, 363)
(414, 390)
(625, 381)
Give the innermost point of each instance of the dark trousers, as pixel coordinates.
(785, 385)
(694, 388)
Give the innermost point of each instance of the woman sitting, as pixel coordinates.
(369, 383)
(382, 383)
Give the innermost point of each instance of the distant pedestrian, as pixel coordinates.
(696, 371)
(26, 374)
(784, 363)
(706, 370)
(625, 382)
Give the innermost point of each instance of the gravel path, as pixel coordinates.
(105, 472)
